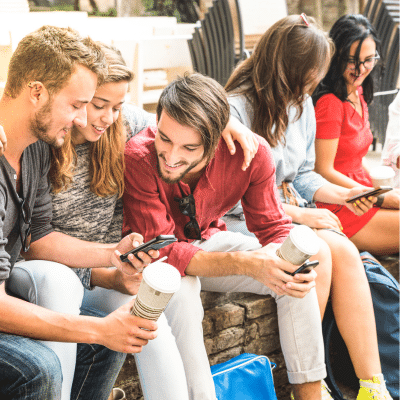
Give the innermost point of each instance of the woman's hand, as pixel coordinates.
(363, 205)
(319, 218)
(3, 141)
(235, 130)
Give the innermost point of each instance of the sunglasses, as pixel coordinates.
(187, 207)
(26, 219)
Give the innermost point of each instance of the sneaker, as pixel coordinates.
(117, 394)
(374, 389)
(325, 392)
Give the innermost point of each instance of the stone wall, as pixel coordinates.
(236, 323)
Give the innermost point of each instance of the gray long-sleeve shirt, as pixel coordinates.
(35, 189)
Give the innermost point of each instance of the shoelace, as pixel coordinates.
(378, 390)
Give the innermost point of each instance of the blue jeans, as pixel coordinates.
(172, 366)
(31, 370)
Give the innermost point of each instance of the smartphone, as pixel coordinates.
(153, 244)
(373, 192)
(305, 268)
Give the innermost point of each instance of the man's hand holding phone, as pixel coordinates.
(132, 265)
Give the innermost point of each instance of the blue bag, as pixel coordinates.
(385, 297)
(245, 377)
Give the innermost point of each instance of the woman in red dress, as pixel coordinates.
(344, 136)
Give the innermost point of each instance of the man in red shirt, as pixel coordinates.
(181, 179)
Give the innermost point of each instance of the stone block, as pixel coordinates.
(226, 316)
(224, 355)
(257, 305)
(225, 339)
(265, 345)
(208, 325)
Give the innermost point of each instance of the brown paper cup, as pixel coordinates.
(160, 282)
(299, 246)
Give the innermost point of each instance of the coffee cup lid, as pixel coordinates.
(305, 239)
(162, 277)
(382, 172)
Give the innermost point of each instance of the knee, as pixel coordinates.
(40, 375)
(345, 255)
(186, 302)
(48, 284)
(324, 257)
(48, 373)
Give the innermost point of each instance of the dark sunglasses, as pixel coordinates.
(25, 216)
(187, 207)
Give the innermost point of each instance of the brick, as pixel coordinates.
(257, 306)
(268, 324)
(230, 337)
(265, 345)
(214, 299)
(227, 316)
(225, 355)
(208, 325)
(251, 331)
(209, 345)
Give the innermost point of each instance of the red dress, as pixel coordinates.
(337, 119)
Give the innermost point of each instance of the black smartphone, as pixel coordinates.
(305, 268)
(373, 192)
(153, 244)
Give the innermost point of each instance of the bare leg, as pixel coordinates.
(381, 235)
(352, 305)
(307, 391)
(324, 275)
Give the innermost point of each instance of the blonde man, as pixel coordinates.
(52, 75)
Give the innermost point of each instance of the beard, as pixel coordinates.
(41, 123)
(169, 180)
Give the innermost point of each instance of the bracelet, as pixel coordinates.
(379, 202)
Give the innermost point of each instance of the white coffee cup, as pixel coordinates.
(299, 246)
(382, 176)
(160, 282)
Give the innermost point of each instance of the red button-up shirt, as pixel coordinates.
(150, 208)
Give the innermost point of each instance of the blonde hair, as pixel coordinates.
(106, 166)
(50, 55)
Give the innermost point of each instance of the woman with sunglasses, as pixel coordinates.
(344, 136)
(87, 185)
(270, 93)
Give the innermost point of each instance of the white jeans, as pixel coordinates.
(299, 320)
(170, 367)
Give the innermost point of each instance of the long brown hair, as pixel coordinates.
(106, 166)
(288, 58)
